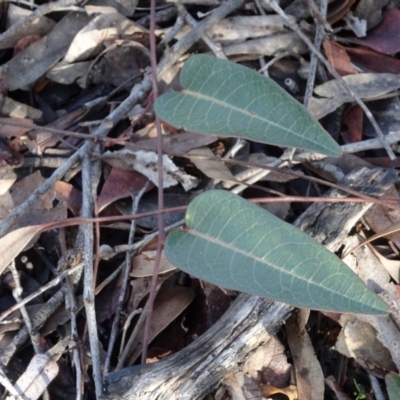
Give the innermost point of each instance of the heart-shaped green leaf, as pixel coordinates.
(226, 99)
(238, 245)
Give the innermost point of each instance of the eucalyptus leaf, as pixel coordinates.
(235, 244)
(223, 98)
(393, 385)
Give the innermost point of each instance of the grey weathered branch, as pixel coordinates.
(194, 371)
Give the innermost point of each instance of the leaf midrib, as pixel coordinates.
(237, 109)
(247, 254)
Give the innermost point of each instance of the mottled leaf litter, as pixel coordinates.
(80, 187)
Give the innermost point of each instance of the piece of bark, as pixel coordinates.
(199, 368)
(330, 223)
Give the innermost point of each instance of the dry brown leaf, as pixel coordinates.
(143, 264)
(214, 169)
(45, 139)
(70, 195)
(267, 46)
(7, 179)
(383, 38)
(338, 58)
(118, 185)
(309, 376)
(369, 60)
(354, 120)
(60, 317)
(14, 109)
(333, 385)
(365, 264)
(391, 266)
(179, 143)
(241, 387)
(358, 340)
(67, 74)
(40, 26)
(10, 131)
(15, 242)
(241, 28)
(25, 42)
(366, 86)
(42, 211)
(149, 204)
(107, 300)
(5, 185)
(33, 62)
(217, 301)
(139, 289)
(169, 303)
(268, 363)
(21, 190)
(290, 391)
(371, 11)
(131, 57)
(338, 10)
(106, 24)
(42, 369)
(379, 218)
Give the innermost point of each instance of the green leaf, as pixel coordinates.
(227, 99)
(393, 385)
(235, 244)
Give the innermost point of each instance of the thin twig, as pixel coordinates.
(124, 283)
(292, 173)
(199, 2)
(376, 387)
(24, 207)
(320, 16)
(71, 306)
(160, 183)
(129, 345)
(17, 292)
(37, 321)
(97, 172)
(15, 391)
(163, 15)
(75, 345)
(216, 48)
(40, 291)
(319, 36)
(122, 248)
(260, 175)
(294, 26)
(179, 24)
(370, 144)
(36, 129)
(126, 326)
(196, 33)
(89, 284)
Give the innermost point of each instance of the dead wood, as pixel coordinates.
(199, 368)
